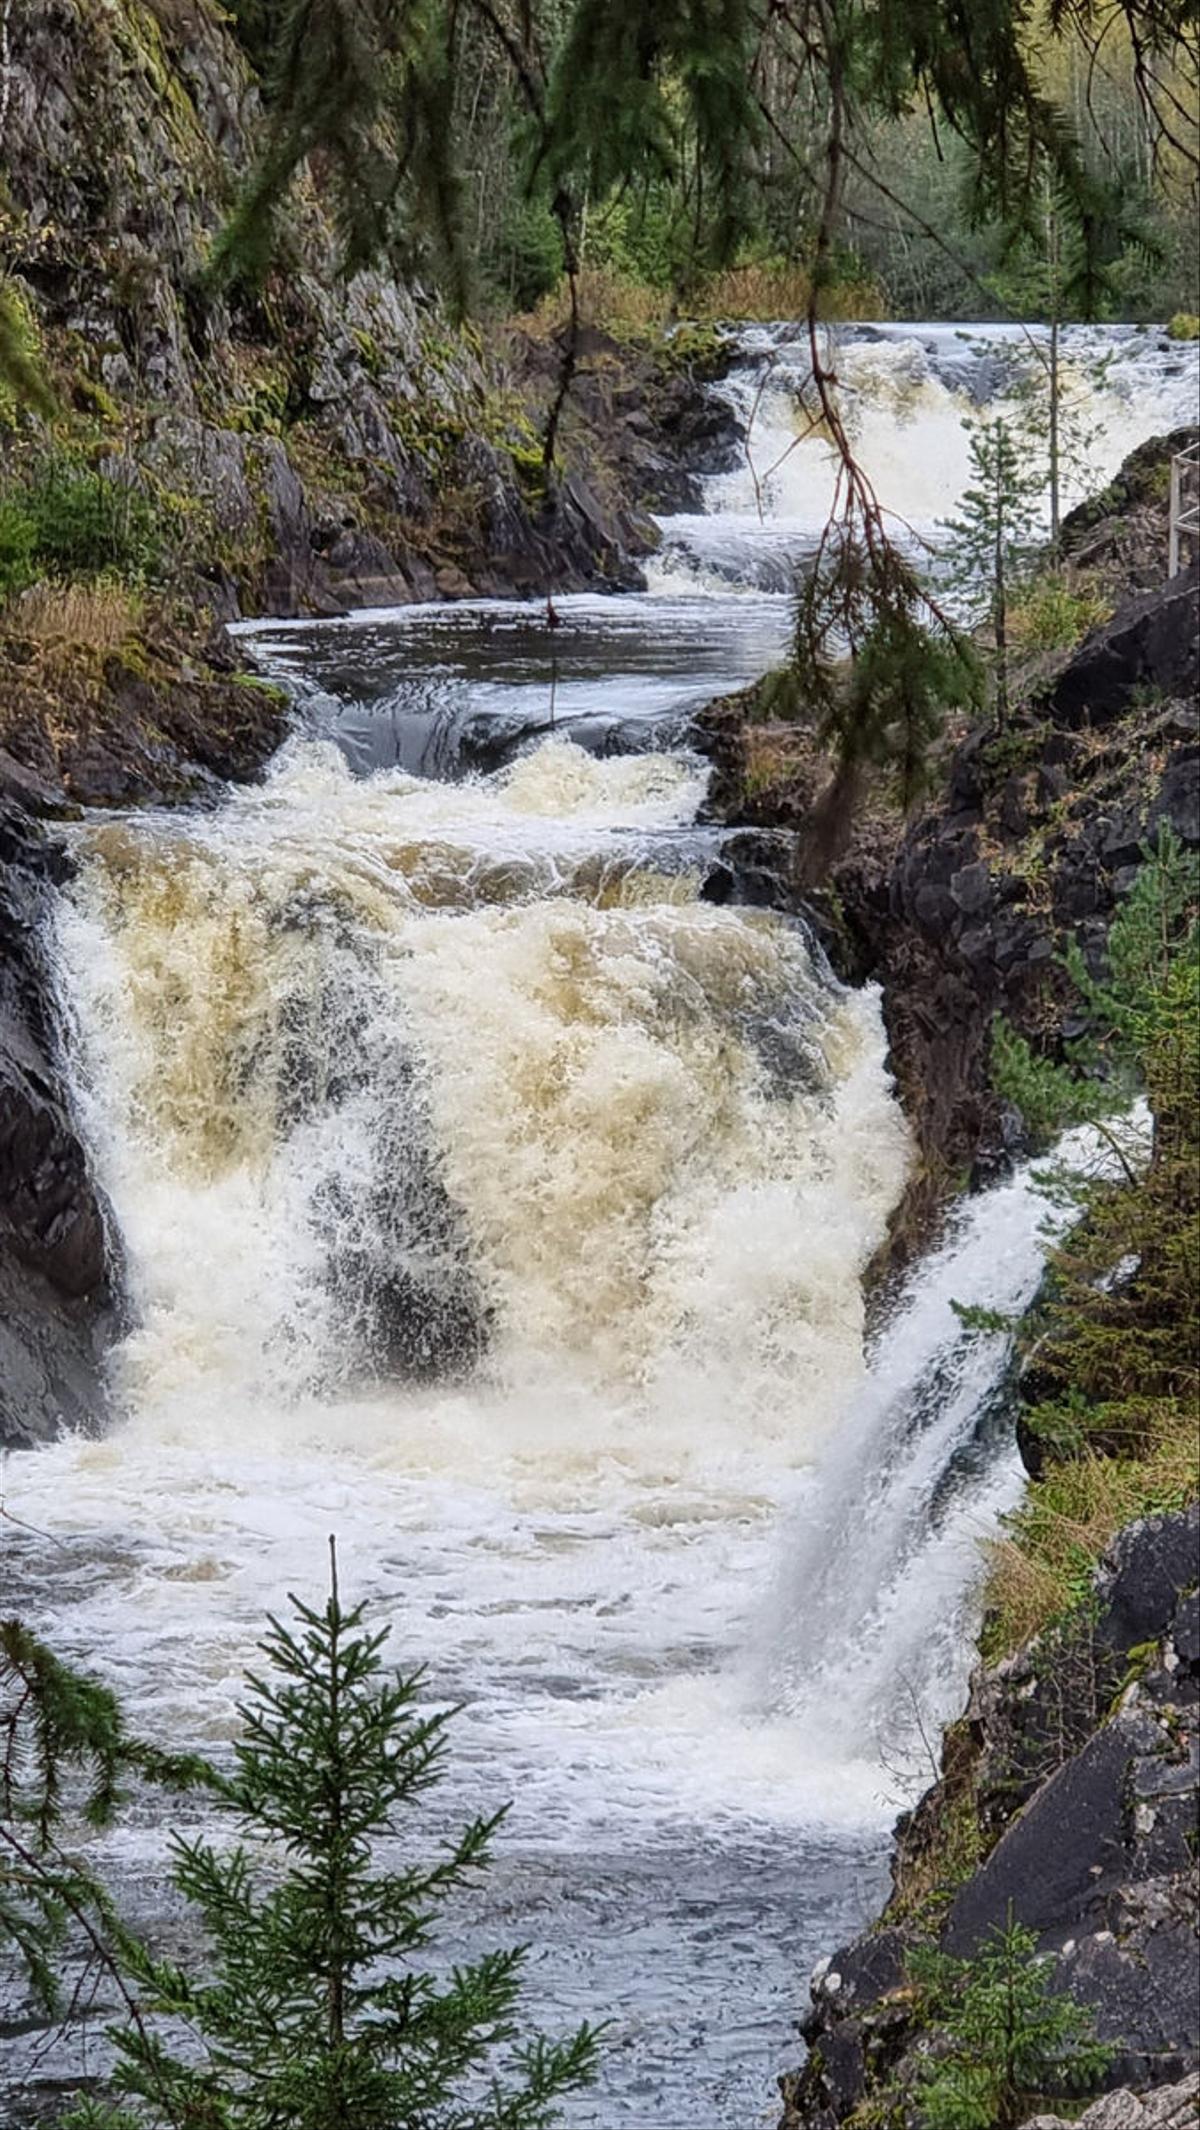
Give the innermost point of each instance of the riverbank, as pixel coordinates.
(1067, 1792)
(1027, 838)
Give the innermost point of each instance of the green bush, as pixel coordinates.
(85, 523)
(18, 543)
(1184, 326)
(1004, 2040)
(68, 521)
(1052, 615)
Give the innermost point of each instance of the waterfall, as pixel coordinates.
(905, 392)
(391, 1080)
(491, 1197)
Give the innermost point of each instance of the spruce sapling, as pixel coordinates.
(316, 2014)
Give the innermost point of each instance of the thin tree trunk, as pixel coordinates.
(1052, 244)
(1000, 611)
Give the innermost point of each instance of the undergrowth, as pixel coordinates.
(1112, 1350)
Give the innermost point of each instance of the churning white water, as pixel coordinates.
(496, 1200)
(907, 393)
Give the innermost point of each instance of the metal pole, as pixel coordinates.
(1173, 532)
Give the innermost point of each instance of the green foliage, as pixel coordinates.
(1143, 1015)
(315, 2011)
(1184, 326)
(64, 520)
(692, 124)
(1052, 614)
(23, 382)
(62, 1743)
(530, 251)
(1003, 2039)
(991, 543)
(633, 90)
(1115, 1335)
(1049, 1096)
(18, 547)
(868, 665)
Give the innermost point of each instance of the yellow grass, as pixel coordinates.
(101, 613)
(1042, 1568)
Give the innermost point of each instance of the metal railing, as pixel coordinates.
(1185, 506)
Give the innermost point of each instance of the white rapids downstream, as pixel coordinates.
(496, 1201)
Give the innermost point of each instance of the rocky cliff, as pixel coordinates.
(328, 443)
(58, 1270)
(1029, 837)
(1068, 1799)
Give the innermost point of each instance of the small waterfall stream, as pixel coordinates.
(492, 1198)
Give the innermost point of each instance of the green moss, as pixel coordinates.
(369, 352)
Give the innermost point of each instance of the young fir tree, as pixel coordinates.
(314, 2012)
(991, 542)
(1005, 2039)
(64, 1753)
(1043, 279)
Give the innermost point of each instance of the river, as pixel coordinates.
(495, 1200)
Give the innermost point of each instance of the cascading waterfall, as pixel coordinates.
(491, 1197)
(378, 1059)
(905, 393)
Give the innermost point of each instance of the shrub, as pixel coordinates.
(18, 545)
(1052, 615)
(1003, 2039)
(66, 521)
(1184, 326)
(85, 524)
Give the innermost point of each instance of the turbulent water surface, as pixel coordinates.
(495, 1200)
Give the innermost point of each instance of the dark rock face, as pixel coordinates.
(58, 1265)
(339, 446)
(1086, 1762)
(1153, 641)
(1039, 835)
(164, 715)
(1033, 837)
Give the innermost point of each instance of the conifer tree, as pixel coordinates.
(991, 542)
(63, 1743)
(314, 2011)
(1006, 2039)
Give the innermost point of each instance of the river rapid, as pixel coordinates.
(498, 1201)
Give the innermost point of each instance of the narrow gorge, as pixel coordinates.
(438, 1107)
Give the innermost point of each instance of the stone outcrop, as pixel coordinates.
(1078, 1763)
(329, 444)
(1175, 2107)
(58, 1266)
(161, 713)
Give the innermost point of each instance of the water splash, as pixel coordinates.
(905, 394)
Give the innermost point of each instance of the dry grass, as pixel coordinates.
(775, 755)
(767, 293)
(629, 310)
(632, 310)
(102, 614)
(1043, 1568)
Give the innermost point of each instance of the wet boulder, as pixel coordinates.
(59, 1267)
